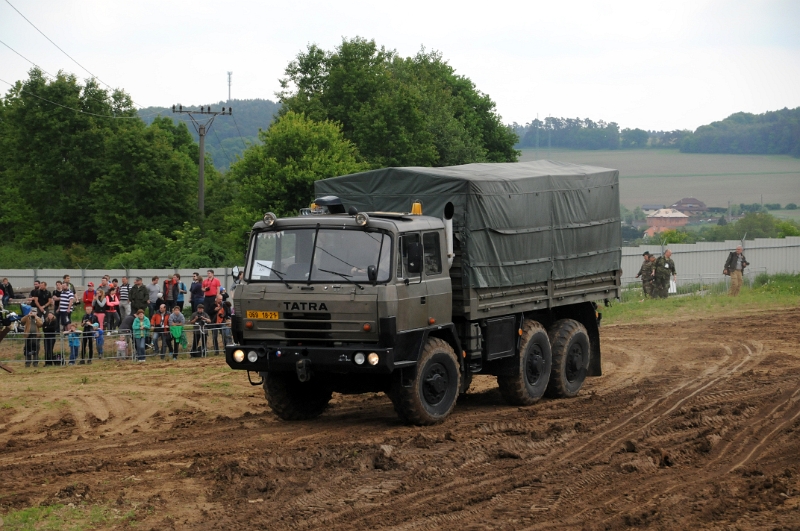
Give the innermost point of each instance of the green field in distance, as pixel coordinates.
(664, 176)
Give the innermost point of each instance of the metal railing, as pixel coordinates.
(197, 341)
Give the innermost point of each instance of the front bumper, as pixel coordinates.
(325, 359)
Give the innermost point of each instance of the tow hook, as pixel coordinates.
(303, 368)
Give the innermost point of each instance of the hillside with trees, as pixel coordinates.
(229, 135)
(774, 132)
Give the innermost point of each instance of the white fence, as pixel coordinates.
(706, 260)
(691, 260)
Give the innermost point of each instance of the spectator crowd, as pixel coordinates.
(152, 315)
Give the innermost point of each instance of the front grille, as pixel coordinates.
(306, 326)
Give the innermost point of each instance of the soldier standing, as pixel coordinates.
(734, 266)
(664, 267)
(646, 272)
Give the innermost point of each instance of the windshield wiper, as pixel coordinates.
(348, 278)
(279, 273)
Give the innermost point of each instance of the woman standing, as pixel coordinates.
(8, 291)
(112, 309)
(141, 327)
(100, 306)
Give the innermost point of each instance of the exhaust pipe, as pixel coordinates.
(449, 210)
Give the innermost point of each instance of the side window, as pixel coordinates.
(431, 254)
(406, 240)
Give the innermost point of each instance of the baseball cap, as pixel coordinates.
(90, 284)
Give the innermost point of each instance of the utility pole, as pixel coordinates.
(202, 128)
(229, 86)
(536, 156)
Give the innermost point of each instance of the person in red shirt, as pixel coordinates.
(211, 287)
(88, 297)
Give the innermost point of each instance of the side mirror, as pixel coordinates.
(235, 273)
(372, 273)
(415, 257)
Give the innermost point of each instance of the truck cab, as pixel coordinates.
(341, 302)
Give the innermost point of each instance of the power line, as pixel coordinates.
(241, 136)
(31, 62)
(56, 45)
(230, 161)
(62, 51)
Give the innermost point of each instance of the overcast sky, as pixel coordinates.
(654, 65)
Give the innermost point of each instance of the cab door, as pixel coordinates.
(437, 279)
(412, 300)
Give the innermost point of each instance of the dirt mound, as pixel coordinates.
(694, 425)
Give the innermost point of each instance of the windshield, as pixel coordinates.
(340, 255)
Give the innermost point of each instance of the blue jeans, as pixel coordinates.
(139, 342)
(73, 353)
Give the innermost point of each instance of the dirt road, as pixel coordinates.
(695, 425)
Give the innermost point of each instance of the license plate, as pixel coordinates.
(270, 316)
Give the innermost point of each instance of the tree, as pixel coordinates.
(279, 173)
(634, 138)
(85, 169)
(397, 111)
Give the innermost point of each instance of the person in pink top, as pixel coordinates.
(211, 287)
(112, 309)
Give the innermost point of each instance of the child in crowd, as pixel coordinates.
(122, 349)
(74, 341)
(99, 339)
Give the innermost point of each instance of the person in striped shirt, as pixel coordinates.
(65, 304)
(124, 301)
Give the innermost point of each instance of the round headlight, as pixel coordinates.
(270, 218)
(359, 358)
(373, 358)
(252, 356)
(362, 219)
(238, 356)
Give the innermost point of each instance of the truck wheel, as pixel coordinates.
(570, 345)
(432, 395)
(529, 385)
(291, 399)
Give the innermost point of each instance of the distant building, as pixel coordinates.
(665, 219)
(649, 209)
(690, 206)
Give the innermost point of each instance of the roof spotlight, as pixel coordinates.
(362, 219)
(270, 218)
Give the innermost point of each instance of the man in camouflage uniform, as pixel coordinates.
(664, 268)
(646, 272)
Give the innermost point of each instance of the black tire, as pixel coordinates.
(569, 342)
(433, 393)
(291, 399)
(535, 360)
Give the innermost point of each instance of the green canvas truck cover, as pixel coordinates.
(516, 223)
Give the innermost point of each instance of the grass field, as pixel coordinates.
(664, 176)
(781, 290)
(787, 214)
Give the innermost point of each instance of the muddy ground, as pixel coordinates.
(694, 425)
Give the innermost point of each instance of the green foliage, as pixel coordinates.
(83, 178)
(224, 143)
(791, 206)
(279, 173)
(397, 111)
(634, 138)
(572, 133)
(775, 132)
(754, 224)
(675, 236)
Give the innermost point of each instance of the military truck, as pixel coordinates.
(409, 281)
